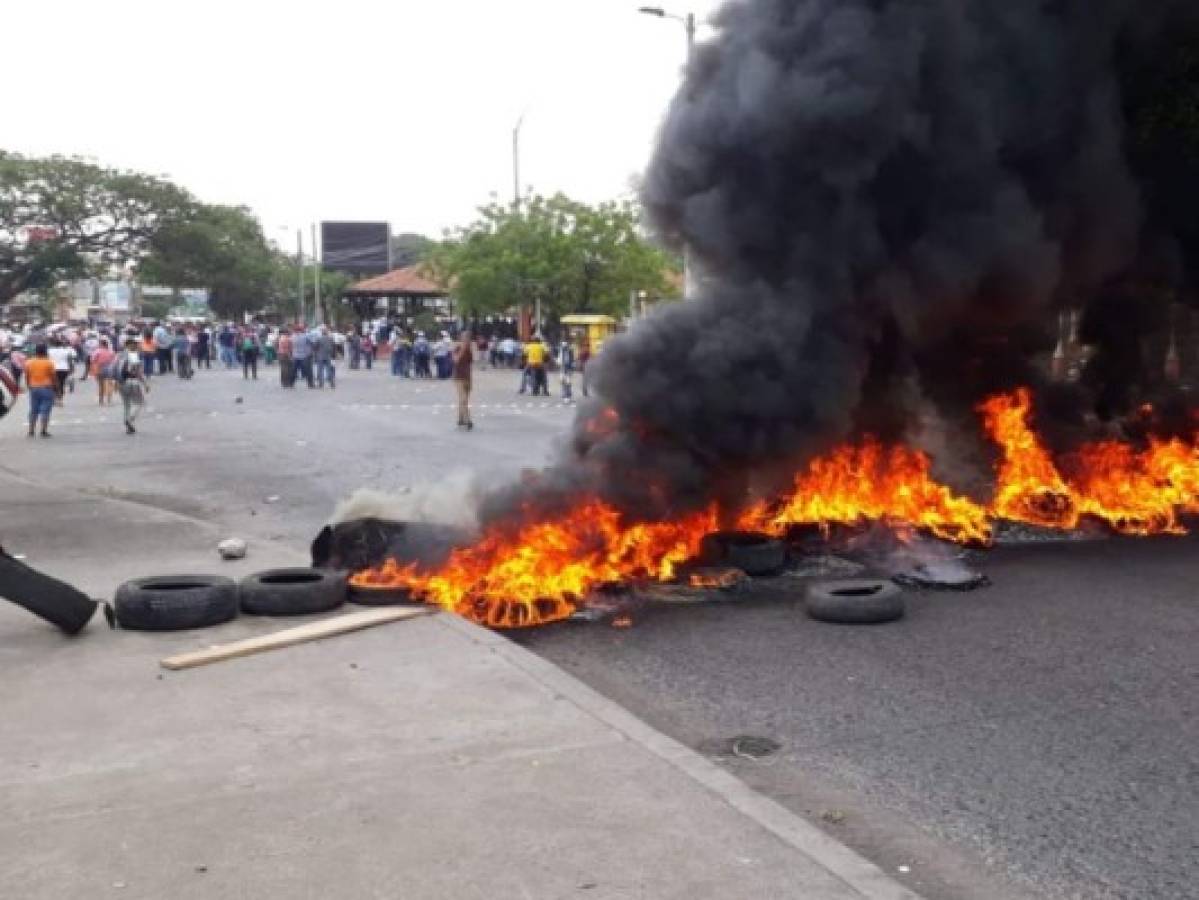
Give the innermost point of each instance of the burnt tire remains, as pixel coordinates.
(175, 602)
(749, 551)
(292, 592)
(855, 602)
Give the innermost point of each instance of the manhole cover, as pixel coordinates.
(750, 746)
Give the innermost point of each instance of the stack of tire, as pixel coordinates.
(180, 602)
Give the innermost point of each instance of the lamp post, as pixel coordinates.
(688, 22)
(516, 163)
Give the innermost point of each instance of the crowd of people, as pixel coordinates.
(122, 361)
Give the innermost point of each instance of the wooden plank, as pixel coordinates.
(313, 631)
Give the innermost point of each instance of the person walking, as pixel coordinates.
(584, 359)
(566, 359)
(322, 351)
(355, 344)
(204, 348)
(225, 340)
(420, 355)
(42, 384)
(63, 356)
(368, 351)
(132, 383)
(101, 365)
(287, 365)
(463, 363)
(401, 354)
(301, 353)
(88, 347)
(249, 354)
(164, 346)
(183, 354)
(534, 374)
(443, 356)
(148, 352)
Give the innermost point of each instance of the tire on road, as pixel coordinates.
(292, 592)
(855, 602)
(175, 602)
(751, 552)
(382, 596)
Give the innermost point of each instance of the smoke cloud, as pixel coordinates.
(888, 201)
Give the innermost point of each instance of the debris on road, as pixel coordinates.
(942, 575)
(289, 637)
(232, 548)
(721, 578)
(825, 566)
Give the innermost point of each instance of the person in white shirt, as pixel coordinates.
(63, 356)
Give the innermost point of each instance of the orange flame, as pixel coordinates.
(1029, 487)
(1135, 492)
(537, 572)
(538, 568)
(865, 483)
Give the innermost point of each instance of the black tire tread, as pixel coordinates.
(825, 605)
(261, 598)
(139, 606)
(382, 597)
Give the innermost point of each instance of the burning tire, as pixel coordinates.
(175, 602)
(856, 602)
(381, 595)
(751, 552)
(292, 592)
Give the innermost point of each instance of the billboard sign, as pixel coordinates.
(359, 248)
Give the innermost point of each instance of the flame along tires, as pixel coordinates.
(175, 602)
(855, 602)
(292, 592)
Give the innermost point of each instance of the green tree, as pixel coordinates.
(571, 256)
(221, 248)
(408, 249)
(63, 217)
(285, 285)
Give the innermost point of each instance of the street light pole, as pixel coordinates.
(316, 275)
(516, 163)
(300, 267)
(688, 22)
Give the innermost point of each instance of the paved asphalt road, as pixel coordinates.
(1037, 737)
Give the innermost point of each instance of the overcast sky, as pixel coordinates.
(346, 109)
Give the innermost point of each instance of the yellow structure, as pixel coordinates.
(594, 329)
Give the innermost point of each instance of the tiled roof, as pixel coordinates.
(410, 281)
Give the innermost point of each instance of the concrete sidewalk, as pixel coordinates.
(428, 758)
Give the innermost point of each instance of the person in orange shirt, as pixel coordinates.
(42, 383)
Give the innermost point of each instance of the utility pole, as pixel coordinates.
(316, 275)
(516, 163)
(688, 22)
(300, 267)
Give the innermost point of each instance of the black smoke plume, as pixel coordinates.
(889, 201)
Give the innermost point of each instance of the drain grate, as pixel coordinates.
(752, 746)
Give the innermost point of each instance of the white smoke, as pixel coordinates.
(453, 500)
